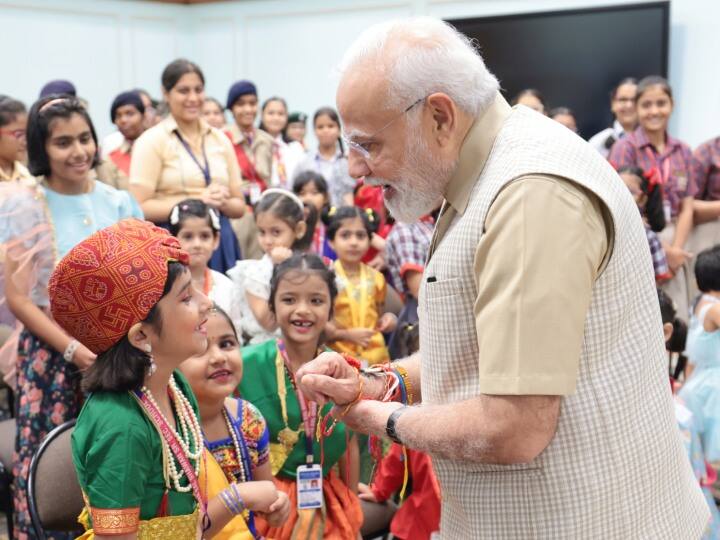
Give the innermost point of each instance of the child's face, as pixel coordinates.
(70, 149)
(245, 110)
(199, 240)
(302, 306)
(274, 117)
(351, 241)
(634, 184)
(296, 131)
(310, 194)
(216, 373)
(213, 114)
(274, 232)
(183, 312)
(327, 130)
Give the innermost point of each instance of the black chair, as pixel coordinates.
(54, 494)
(7, 447)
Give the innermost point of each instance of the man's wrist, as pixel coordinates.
(391, 428)
(373, 386)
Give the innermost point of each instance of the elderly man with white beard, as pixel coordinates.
(540, 388)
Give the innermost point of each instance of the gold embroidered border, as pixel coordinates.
(115, 520)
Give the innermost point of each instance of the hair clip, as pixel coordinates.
(370, 215)
(332, 211)
(175, 215)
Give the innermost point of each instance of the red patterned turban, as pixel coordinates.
(111, 280)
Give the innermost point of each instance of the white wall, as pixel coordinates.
(288, 47)
(102, 46)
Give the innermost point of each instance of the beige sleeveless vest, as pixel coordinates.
(616, 468)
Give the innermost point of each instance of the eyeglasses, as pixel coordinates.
(19, 134)
(361, 148)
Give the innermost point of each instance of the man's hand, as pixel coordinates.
(328, 378)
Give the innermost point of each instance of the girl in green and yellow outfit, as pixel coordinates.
(138, 446)
(302, 295)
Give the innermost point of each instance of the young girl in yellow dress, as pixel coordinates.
(234, 429)
(301, 298)
(359, 322)
(127, 294)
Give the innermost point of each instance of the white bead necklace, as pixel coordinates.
(191, 430)
(236, 444)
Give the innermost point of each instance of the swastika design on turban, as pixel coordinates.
(111, 280)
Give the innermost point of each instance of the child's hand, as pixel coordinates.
(258, 495)
(365, 493)
(377, 262)
(279, 254)
(360, 336)
(279, 511)
(387, 323)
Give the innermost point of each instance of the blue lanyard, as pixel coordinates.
(206, 169)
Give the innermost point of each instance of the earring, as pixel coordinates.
(153, 366)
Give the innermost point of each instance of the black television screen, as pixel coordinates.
(575, 57)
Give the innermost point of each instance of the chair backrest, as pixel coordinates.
(54, 495)
(7, 443)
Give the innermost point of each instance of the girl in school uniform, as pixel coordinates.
(329, 159)
(286, 154)
(653, 150)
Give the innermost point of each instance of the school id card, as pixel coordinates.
(309, 487)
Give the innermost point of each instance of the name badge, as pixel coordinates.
(309, 487)
(682, 180)
(255, 193)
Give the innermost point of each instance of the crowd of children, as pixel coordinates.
(175, 346)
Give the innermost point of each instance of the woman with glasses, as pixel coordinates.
(329, 159)
(13, 148)
(622, 105)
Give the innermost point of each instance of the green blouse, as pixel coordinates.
(118, 455)
(259, 387)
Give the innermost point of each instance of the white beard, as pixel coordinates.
(420, 183)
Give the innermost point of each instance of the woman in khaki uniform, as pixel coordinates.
(184, 157)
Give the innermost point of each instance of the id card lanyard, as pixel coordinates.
(204, 170)
(664, 173)
(309, 476)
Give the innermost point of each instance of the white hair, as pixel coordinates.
(421, 56)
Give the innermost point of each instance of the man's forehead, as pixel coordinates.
(361, 101)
